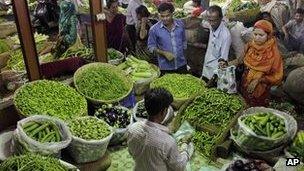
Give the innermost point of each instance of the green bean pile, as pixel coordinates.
(89, 128)
(33, 162)
(51, 98)
(204, 142)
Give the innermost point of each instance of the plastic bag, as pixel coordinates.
(226, 80)
(143, 85)
(246, 139)
(24, 143)
(83, 151)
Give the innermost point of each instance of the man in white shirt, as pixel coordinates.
(131, 20)
(219, 41)
(149, 142)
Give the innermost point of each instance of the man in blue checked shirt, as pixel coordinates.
(167, 40)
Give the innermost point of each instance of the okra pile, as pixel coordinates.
(89, 128)
(297, 146)
(51, 98)
(182, 86)
(33, 162)
(266, 124)
(115, 116)
(102, 83)
(213, 107)
(42, 131)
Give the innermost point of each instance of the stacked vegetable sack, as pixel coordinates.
(244, 12)
(210, 113)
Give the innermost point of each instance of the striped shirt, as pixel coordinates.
(153, 148)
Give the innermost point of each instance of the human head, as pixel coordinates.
(112, 6)
(142, 12)
(299, 15)
(265, 16)
(263, 30)
(197, 3)
(215, 16)
(157, 102)
(165, 11)
(222, 63)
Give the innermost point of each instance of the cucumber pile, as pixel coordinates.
(43, 132)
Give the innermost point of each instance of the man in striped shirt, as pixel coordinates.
(149, 142)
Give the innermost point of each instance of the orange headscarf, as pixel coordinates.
(264, 61)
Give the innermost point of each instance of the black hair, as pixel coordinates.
(222, 60)
(197, 1)
(215, 8)
(165, 6)
(299, 11)
(264, 16)
(110, 2)
(143, 11)
(156, 100)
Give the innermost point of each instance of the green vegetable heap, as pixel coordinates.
(204, 142)
(113, 54)
(266, 124)
(42, 131)
(15, 61)
(33, 162)
(213, 107)
(102, 83)
(297, 147)
(89, 128)
(176, 83)
(138, 69)
(51, 98)
(4, 47)
(82, 51)
(179, 14)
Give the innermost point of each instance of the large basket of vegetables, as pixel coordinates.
(118, 117)
(114, 56)
(42, 135)
(102, 83)
(262, 129)
(182, 86)
(44, 97)
(91, 137)
(141, 72)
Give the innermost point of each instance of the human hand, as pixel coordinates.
(169, 56)
(252, 85)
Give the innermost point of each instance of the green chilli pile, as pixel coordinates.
(182, 86)
(4, 47)
(89, 128)
(204, 142)
(42, 131)
(213, 107)
(51, 98)
(102, 82)
(33, 162)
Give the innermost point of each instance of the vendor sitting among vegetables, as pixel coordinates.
(193, 8)
(149, 141)
(263, 63)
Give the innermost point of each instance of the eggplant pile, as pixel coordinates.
(115, 116)
(252, 165)
(141, 110)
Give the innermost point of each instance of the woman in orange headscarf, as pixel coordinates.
(263, 63)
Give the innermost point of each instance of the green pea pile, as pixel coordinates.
(182, 86)
(51, 98)
(89, 128)
(102, 83)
